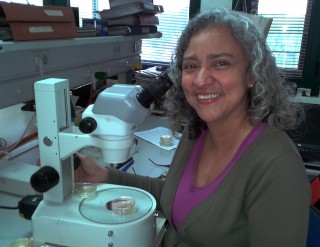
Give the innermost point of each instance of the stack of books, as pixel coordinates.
(131, 17)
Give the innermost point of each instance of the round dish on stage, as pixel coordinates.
(117, 205)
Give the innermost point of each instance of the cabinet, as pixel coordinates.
(23, 63)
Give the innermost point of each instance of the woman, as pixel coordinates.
(236, 178)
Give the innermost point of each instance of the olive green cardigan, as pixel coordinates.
(262, 202)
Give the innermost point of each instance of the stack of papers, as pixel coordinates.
(144, 76)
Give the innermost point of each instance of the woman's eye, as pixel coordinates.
(221, 64)
(188, 67)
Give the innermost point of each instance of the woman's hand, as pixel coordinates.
(89, 171)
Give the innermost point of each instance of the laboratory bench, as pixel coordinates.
(13, 227)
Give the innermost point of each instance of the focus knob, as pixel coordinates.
(88, 125)
(44, 179)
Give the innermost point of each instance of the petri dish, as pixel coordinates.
(85, 190)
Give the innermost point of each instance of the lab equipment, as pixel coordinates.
(307, 136)
(62, 217)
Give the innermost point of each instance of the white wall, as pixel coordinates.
(14, 121)
(206, 4)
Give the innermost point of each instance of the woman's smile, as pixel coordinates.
(208, 96)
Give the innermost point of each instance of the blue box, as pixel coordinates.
(101, 26)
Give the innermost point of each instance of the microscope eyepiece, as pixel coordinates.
(88, 125)
(155, 90)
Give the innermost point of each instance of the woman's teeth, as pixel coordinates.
(208, 96)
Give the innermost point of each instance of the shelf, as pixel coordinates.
(45, 44)
(25, 62)
(306, 100)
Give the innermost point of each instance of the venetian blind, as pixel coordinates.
(288, 34)
(31, 2)
(172, 22)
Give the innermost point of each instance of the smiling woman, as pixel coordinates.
(228, 183)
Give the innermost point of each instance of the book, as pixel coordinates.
(130, 20)
(86, 32)
(114, 3)
(131, 30)
(131, 9)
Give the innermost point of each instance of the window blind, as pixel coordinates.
(288, 34)
(31, 2)
(171, 23)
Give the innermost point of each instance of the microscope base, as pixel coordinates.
(67, 224)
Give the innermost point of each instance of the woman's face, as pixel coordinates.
(215, 80)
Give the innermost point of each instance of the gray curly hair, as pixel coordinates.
(267, 101)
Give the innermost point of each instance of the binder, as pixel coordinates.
(29, 22)
(130, 20)
(17, 12)
(131, 30)
(23, 31)
(131, 9)
(114, 3)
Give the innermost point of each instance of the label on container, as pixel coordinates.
(41, 29)
(53, 12)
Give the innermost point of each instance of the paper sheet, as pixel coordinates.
(153, 136)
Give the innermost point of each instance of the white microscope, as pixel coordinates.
(83, 215)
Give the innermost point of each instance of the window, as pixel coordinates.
(295, 39)
(288, 34)
(32, 2)
(172, 22)
(87, 9)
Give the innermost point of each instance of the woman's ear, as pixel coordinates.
(250, 80)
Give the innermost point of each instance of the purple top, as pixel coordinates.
(188, 196)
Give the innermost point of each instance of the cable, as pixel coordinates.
(39, 62)
(157, 164)
(21, 140)
(7, 207)
(163, 175)
(23, 134)
(6, 153)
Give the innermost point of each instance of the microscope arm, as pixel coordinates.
(72, 140)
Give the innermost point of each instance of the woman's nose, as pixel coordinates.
(203, 78)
